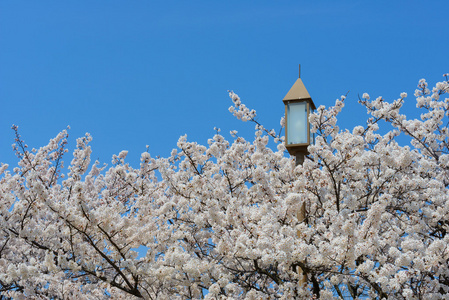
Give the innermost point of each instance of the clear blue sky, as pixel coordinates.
(136, 73)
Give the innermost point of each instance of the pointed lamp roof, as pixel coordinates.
(299, 92)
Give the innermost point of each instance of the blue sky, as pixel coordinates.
(136, 73)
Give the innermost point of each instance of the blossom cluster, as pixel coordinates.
(221, 221)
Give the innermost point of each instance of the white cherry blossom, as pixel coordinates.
(221, 221)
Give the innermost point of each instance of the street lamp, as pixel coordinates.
(298, 106)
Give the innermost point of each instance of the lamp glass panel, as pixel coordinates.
(297, 123)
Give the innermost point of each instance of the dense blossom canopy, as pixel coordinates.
(221, 221)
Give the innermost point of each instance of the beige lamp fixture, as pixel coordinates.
(298, 106)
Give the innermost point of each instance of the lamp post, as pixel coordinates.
(298, 106)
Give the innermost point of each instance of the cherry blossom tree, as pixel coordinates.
(220, 221)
